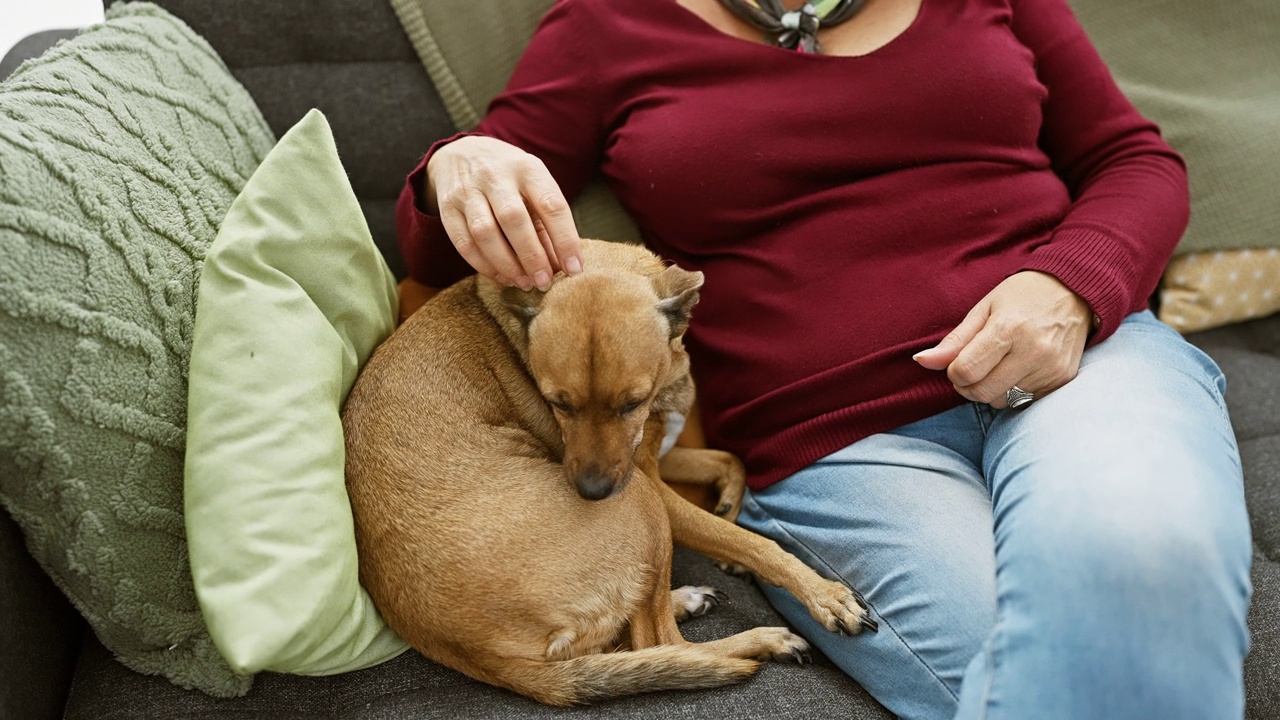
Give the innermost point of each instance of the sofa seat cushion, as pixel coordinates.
(413, 687)
(1249, 354)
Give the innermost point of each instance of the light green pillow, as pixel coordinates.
(120, 151)
(470, 48)
(293, 298)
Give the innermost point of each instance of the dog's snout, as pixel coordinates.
(594, 485)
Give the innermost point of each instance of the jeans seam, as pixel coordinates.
(990, 680)
(885, 621)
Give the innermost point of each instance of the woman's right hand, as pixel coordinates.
(503, 211)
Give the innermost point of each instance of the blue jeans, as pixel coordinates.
(1085, 557)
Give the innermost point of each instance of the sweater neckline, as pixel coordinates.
(695, 20)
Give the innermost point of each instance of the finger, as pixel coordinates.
(455, 226)
(945, 352)
(550, 206)
(513, 217)
(992, 389)
(980, 356)
(492, 244)
(1036, 374)
(545, 239)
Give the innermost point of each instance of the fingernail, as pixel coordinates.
(542, 280)
(524, 282)
(573, 265)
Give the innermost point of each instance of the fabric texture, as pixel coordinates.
(1210, 289)
(1205, 72)
(1029, 156)
(293, 298)
(470, 49)
(120, 152)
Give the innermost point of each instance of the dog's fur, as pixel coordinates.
(502, 464)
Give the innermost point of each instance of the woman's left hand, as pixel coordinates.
(1029, 332)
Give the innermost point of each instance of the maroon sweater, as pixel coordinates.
(847, 211)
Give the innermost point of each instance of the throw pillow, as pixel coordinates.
(120, 151)
(1204, 71)
(293, 298)
(470, 49)
(1206, 290)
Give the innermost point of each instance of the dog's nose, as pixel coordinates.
(594, 485)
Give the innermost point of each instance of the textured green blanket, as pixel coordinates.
(120, 152)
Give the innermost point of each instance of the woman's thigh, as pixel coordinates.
(905, 519)
(1122, 542)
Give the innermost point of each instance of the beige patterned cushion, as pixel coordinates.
(1205, 290)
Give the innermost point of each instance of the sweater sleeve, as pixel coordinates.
(1128, 187)
(550, 109)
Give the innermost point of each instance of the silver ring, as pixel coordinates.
(1016, 397)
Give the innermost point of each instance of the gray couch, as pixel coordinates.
(358, 67)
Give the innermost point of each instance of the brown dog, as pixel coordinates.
(502, 464)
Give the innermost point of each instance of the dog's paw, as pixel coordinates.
(776, 643)
(733, 569)
(839, 608)
(690, 601)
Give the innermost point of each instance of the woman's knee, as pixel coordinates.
(1179, 542)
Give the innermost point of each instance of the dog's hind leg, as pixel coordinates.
(690, 601)
(700, 466)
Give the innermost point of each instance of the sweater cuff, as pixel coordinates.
(1094, 266)
(428, 254)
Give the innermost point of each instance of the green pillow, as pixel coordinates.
(470, 48)
(1208, 73)
(293, 299)
(120, 151)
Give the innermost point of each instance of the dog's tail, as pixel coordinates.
(597, 677)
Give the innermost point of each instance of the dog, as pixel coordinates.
(503, 465)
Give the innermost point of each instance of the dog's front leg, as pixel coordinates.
(831, 603)
(698, 466)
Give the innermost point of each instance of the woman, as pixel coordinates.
(926, 212)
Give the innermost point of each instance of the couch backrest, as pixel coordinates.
(350, 59)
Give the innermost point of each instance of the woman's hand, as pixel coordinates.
(1029, 331)
(503, 211)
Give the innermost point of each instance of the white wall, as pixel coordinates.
(20, 18)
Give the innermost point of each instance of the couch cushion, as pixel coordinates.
(1249, 355)
(120, 151)
(411, 687)
(40, 634)
(357, 67)
(293, 299)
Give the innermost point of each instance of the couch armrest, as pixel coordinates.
(40, 633)
(31, 46)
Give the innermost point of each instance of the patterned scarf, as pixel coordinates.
(798, 29)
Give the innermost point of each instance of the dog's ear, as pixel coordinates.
(523, 304)
(677, 294)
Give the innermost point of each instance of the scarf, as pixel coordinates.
(798, 29)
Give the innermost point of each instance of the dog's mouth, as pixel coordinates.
(596, 485)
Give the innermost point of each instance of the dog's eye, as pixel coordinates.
(630, 407)
(561, 405)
